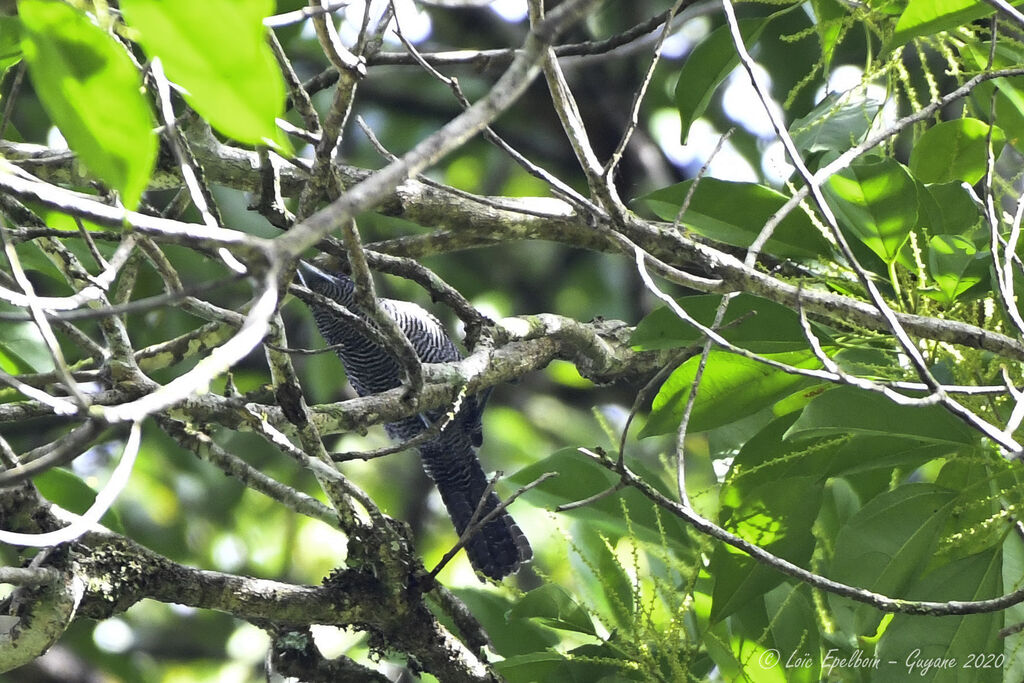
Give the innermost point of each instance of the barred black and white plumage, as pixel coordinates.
(450, 459)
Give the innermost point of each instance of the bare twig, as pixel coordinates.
(476, 525)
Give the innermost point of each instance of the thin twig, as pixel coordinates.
(475, 526)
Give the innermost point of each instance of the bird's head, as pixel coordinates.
(338, 287)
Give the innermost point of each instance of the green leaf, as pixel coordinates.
(92, 92)
(864, 453)
(947, 209)
(60, 486)
(877, 202)
(510, 637)
(1010, 113)
(11, 362)
(756, 324)
(553, 606)
(837, 124)
(1013, 570)
(928, 17)
(829, 26)
(554, 667)
(10, 42)
(535, 666)
(794, 629)
(1009, 96)
(962, 638)
(955, 266)
(62, 221)
(610, 588)
(707, 66)
(234, 84)
(985, 488)
(771, 498)
(884, 547)
(776, 516)
(731, 388)
(734, 213)
(847, 410)
(955, 151)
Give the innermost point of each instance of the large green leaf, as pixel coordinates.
(1008, 91)
(510, 637)
(756, 324)
(554, 667)
(960, 639)
(1010, 110)
(884, 547)
(735, 213)
(877, 202)
(92, 92)
(1013, 578)
(552, 606)
(928, 17)
(732, 387)
(771, 498)
(234, 84)
(776, 516)
(955, 265)
(10, 361)
(794, 629)
(947, 209)
(707, 66)
(862, 453)
(837, 124)
(985, 488)
(846, 410)
(955, 151)
(10, 42)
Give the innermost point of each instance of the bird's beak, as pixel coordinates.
(309, 274)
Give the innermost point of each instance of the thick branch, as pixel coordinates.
(120, 572)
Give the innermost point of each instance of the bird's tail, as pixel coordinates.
(495, 549)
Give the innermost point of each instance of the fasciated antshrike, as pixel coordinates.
(499, 547)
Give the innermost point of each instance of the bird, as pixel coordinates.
(499, 547)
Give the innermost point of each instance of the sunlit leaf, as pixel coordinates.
(771, 498)
(731, 387)
(928, 17)
(754, 323)
(554, 607)
(877, 202)
(234, 84)
(829, 14)
(92, 92)
(955, 151)
(707, 66)
(947, 209)
(10, 42)
(955, 265)
(777, 516)
(735, 213)
(847, 410)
